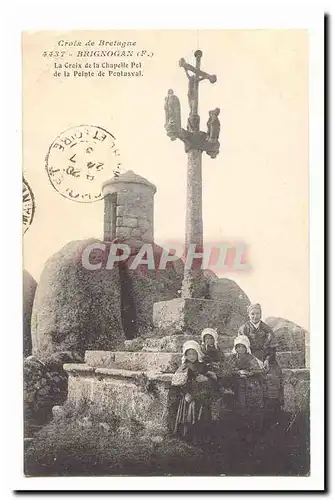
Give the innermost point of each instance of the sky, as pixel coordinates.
(255, 191)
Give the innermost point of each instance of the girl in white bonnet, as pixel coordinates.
(196, 385)
(209, 345)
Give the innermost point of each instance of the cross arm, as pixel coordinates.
(199, 73)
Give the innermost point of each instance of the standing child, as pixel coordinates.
(196, 385)
(263, 346)
(247, 380)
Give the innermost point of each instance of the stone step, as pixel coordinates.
(167, 362)
(174, 343)
(290, 375)
(163, 362)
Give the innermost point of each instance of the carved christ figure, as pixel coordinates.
(192, 78)
(213, 125)
(172, 115)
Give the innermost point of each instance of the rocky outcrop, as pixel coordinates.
(45, 385)
(289, 336)
(75, 308)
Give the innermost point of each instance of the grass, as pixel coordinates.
(72, 445)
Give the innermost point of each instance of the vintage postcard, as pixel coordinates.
(165, 223)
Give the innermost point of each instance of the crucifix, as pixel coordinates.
(195, 143)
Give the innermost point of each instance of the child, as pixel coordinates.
(260, 335)
(247, 380)
(209, 346)
(216, 361)
(195, 381)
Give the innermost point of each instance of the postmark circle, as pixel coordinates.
(28, 206)
(80, 160)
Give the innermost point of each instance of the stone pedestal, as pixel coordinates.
(127, 393)
(190, 315)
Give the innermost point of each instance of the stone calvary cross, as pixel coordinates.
(195, 143)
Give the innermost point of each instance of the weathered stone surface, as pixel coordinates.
(163, 362)
(123, 231)
(147, 236)
(191, 316)
(74, 308)
(29, 289)
(130, 221)
(131, 395)
(120, 211)
(289, 335)
(148, 286)
(45, 385)
(144, 223)
(136, 233)
(291, 359)
(225, 309)
(229, 291)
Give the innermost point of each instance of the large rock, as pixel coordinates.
(29, 289)
(76, 309)
(289, 336)
(233, 301)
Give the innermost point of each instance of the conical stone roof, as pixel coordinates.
(130, 177)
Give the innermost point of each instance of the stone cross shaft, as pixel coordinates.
(195, 143)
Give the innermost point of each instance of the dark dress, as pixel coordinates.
(249, 394)
(216, 361)
(193, 418)
(261, 339)
(263, 346)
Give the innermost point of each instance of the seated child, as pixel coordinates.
(196, 384)
(246, 373)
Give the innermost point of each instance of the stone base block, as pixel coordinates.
(128, 394)
(162, 362)
(190, 316)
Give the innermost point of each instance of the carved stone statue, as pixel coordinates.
(193, 123)
(172, 115)
(213, 125)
